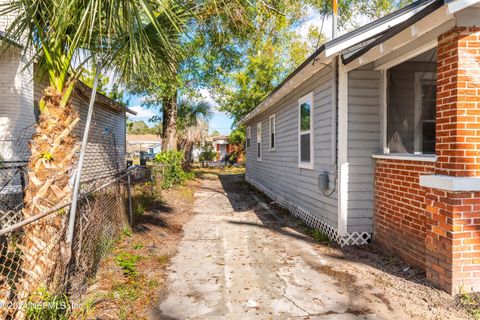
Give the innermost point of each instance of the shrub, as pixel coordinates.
(173, 173)
(207, 154)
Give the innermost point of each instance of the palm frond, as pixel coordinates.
(129, 36)
(190, 112)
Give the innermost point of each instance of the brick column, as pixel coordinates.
(453, 241)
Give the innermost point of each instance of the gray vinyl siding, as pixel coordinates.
(106, 143)
(17, 118)
(363, 141)
(278, 170)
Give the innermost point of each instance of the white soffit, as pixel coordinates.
(457, 5)
(409, 34)
(372, 32)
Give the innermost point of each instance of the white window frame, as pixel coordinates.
(305, 165)
(418, 134)
(248, 137)
(259, 142)
(272, 130)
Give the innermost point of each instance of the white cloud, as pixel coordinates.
(207, 96)
(142, 114)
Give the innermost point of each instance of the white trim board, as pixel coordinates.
(342, 149)
(450, 183)
(406, 157)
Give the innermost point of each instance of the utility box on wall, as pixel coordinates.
(323, 181)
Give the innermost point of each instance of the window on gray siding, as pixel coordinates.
(305, 136)
(259, 141)
(272, 132)
(248, 136)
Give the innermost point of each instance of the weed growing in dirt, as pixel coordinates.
(471, 303)
(128, 263)
(137, 246)
(319, 236)
(87, 310)
(126, 291)
(43, 304)
(127, 232)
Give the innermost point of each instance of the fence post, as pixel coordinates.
(130, 213)
(78, 173)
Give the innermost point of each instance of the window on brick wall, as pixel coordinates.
(411, 105)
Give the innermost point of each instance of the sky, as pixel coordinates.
(221, 121)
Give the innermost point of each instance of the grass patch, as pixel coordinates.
(43, 304)
(471, 303)
(319, 236)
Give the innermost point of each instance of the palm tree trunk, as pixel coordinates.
(169, 141)
(53, 150)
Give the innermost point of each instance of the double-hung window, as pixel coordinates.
(259, 141)
(272, 132)
(305, 131)
(248, 135)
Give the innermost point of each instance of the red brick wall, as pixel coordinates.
(431, 227)
(458, 103)
(453, 241)
(401, 221)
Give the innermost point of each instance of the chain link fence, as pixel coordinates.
(103, 213)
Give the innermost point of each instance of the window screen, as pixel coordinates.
(305, 147)
(411, 94)
(259, 141)
(272, 132)
(248, 137)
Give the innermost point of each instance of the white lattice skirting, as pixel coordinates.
(354, 238)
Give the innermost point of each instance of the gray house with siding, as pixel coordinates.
(317, 143)
(20, 92)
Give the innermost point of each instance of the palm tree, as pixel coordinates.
(126, 36)
(192, 125)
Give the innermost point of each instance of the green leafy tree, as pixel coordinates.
(129, 37)
(137, 127)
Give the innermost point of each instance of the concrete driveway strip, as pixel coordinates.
(238, 261)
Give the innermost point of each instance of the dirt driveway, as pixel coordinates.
(242, 259)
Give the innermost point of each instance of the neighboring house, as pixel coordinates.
(377, 133)
(221, 146)
(149, 143)
(20, 92)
